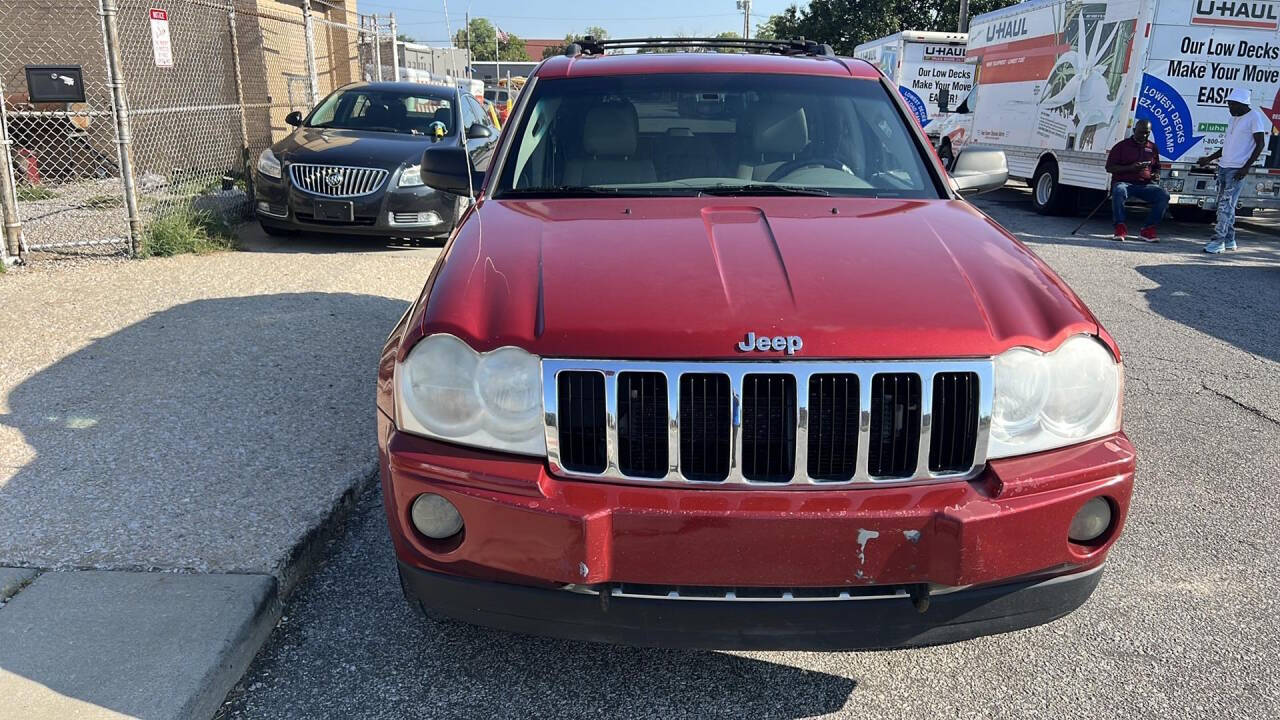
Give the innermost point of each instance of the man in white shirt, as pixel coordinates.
(1246, 136)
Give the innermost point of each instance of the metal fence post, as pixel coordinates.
(313, 86)
(244, 127)
(377, 49)
(120, 104)
(10, 245)
(395, 51)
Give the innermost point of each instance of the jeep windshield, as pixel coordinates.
(391, 111)
(717, 134)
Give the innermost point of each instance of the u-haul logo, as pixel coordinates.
(1236, 14)
(944, 53)
(1007, 29)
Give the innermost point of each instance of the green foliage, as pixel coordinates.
(483, 36)
(845, 24)
(594, 31)
(187, 231)
(34, 192)
(104, 202)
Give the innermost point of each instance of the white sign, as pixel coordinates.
(160, 38)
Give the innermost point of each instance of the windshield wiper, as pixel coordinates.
(762, 189)
(569, 190)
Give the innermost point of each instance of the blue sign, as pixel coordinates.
(916, 104)
(1169, 116)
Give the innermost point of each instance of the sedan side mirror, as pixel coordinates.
(477, 131)
(294, 118)
(979, 170)
(445, 167)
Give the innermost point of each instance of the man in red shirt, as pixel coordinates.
(1134, 164)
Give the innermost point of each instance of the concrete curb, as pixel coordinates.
(91, 642)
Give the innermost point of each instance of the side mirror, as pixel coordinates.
(294, 118)
(979, 170)
(445, 167)
(477, 131)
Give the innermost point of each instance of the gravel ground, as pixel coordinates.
(190, 413)
(1183, 624)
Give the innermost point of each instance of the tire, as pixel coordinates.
(946, 155)
(1048, 196)
(1244, 212)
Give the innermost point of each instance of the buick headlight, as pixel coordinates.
(268, 164)
(411, 177)
(446, 390)
(1044, 401)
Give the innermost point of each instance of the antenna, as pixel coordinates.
(466, 154)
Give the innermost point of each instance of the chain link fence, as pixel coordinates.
(163, 131)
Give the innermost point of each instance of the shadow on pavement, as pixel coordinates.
(1228, 301)
(207, 437)
(351, 646)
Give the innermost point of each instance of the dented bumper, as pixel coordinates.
(526, 527)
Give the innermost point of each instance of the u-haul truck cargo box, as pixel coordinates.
(1058, 82)
(922, 65)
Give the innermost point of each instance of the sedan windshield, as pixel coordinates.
(720, 134)
(391, 111)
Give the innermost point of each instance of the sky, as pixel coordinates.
(424, 20)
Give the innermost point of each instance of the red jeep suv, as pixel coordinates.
(720, 358)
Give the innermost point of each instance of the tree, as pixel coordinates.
(483, 35)
(845, 24)
(405, 38)
(594, 31)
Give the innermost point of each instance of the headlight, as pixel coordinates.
(268, 164)
(446, 390)
(411, 177)
(1045, 401)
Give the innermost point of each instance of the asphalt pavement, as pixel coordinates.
(1183, 625)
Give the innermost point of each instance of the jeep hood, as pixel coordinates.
(690, 277)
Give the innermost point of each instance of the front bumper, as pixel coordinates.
(525, 527)
(279, 204)
(858, 624)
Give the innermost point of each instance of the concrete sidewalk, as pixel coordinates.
(177, 438)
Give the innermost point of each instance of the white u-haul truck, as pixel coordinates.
(928, 68)
(1058, 82)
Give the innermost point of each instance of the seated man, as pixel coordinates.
(1134, 164)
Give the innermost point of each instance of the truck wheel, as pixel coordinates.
(946, 155)
(1048, 196)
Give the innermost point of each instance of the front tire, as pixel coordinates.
(1048, 196)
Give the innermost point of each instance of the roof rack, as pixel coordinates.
(589, 45)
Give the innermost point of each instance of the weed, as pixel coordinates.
(34, 192)
(187, 231)
(104, 202)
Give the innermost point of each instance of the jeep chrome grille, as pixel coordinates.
(337, 181)
(780, 424)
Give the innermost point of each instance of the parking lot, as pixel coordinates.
(227, 408)
(1182, 625)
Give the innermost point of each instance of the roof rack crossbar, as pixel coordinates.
(799, 46)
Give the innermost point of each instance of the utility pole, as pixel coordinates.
(963, 25)
(469, 58)
(745, 7)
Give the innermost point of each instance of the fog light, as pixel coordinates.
(264, 207)
(436, 517)
(1091, 521)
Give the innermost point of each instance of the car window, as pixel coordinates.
(675, 134)
(378, 110)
